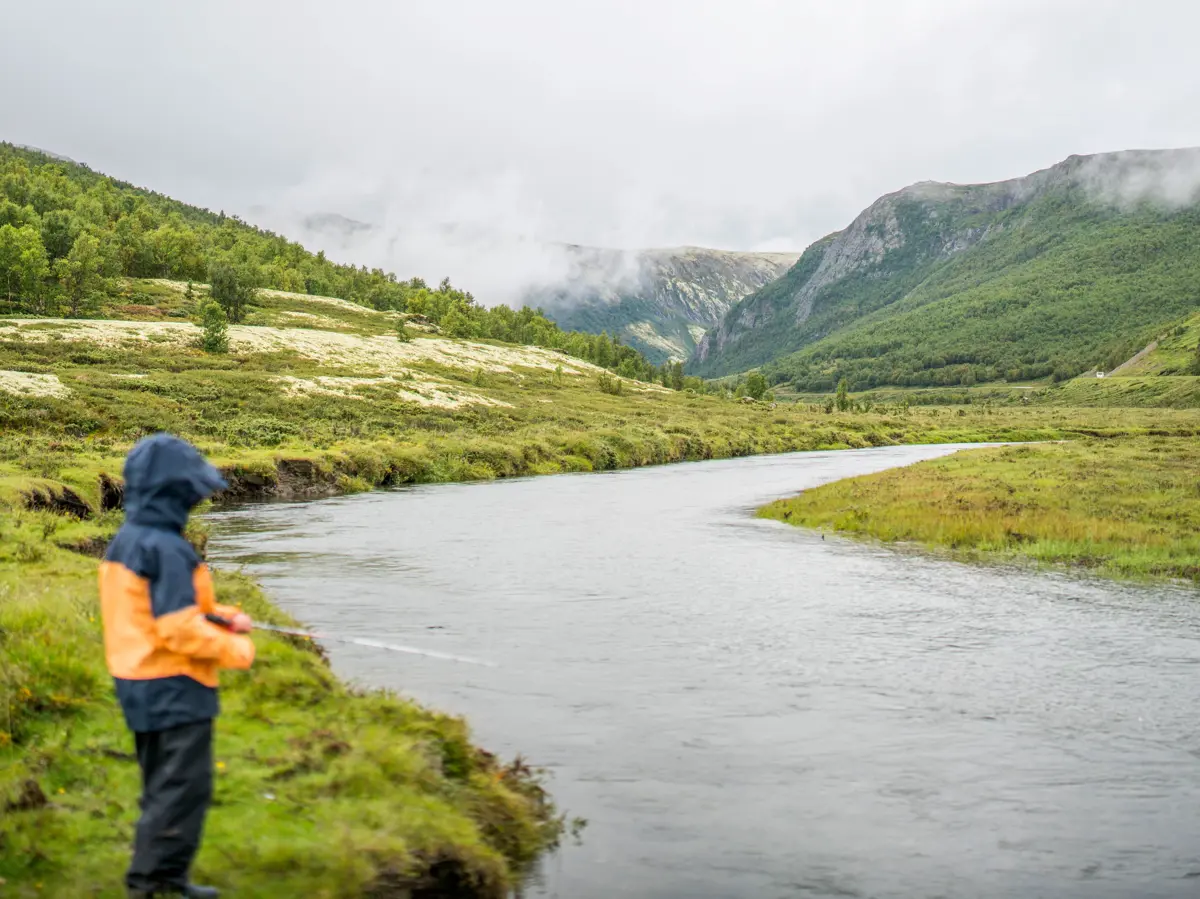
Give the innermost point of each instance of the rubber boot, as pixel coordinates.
(191, 891)
(198, 892)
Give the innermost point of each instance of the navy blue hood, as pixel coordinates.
(165, 478)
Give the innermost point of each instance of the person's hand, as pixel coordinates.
(241, 623)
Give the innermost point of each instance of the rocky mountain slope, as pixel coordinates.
(659, 301)
(1045, 275)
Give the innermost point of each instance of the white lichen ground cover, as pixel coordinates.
(325, 347)
(23, 383)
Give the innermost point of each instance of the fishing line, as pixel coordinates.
(357, 641)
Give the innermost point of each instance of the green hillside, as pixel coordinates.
(1165, 374)
(1177, 352)
(72, 239)
(1039, 278)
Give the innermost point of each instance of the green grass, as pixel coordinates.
(1164, 377)
(156, 299)
(322, 791)
(1176, 392)
(1125, 508)
(991, 395)
(1174, 353)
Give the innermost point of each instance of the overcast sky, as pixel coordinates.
(743, 124)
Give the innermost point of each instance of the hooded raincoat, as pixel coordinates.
(155, 591)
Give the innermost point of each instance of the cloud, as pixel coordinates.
(1171, 180)
(475, 133)
(487, 236)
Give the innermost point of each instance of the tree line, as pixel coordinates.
(68, 234)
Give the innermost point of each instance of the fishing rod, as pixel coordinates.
(357, 641)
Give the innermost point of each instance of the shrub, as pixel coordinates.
(756, 385)
(609, 384)
(216, 328)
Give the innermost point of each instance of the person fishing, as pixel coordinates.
(164, 655)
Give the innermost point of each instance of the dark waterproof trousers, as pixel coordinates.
(177, 782)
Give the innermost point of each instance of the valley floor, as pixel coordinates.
(324, 791)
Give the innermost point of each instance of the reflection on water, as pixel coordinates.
(743, 709)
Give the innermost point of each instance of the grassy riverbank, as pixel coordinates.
(321, 791)
(1126, 508)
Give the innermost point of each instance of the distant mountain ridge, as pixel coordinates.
(659, 301)
(57, 157)
(944, 283)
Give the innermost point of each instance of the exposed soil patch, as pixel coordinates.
(62, 500)
(29, 799)
(291, 479)
(444, 878)
(112, 494)
(89, 546)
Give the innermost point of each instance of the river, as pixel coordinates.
(745, 709)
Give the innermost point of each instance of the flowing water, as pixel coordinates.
(745, 709)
